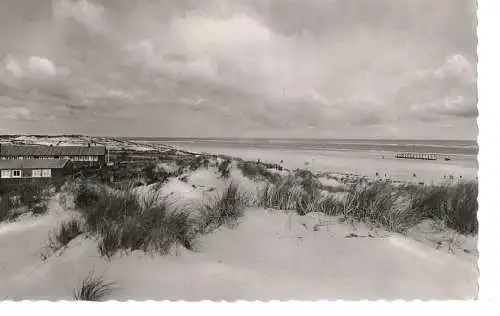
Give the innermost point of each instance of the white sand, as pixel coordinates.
(362, 163)
(270, 255)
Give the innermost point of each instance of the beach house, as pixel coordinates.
(25, 170)
(88, 155)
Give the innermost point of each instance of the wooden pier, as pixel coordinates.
(422, 156)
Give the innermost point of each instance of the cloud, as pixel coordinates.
(13, 66)
(16, 113)
(448, 90)
(40, 65)
(32, 67)
(88, 13)
(315, 67)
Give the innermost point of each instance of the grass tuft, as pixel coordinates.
(93, 288)
(126, 221)
(224, 209)
(254, 170)
(395, 208)
(68, 231)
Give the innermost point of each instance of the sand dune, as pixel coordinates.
(269, 255)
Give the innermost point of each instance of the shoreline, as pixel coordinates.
(358, 163)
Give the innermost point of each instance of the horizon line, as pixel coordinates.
(218, 137)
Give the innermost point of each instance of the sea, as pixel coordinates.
(373, 158)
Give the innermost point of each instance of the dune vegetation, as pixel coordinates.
(30, 198)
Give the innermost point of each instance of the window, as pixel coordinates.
(5, 174)
(36, 173)
(46, 173)
(16, 173)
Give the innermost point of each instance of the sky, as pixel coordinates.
(239, 68)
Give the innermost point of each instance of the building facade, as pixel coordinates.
(19, 170)
(89, 155)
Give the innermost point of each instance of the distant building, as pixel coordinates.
(16, 170)
(91, 155)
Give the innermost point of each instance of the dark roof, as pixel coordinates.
(42, 150)
(33, 163)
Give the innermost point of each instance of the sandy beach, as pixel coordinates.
(363, 163)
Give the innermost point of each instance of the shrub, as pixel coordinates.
(307, 180)
(31, 195)
(149, 174)
(153, 174)
(93, 288)
(224, 168)
(6, 206)
(206, 163)
(68, 231)
(85, 195)
(39, 209)
(254, 170)
(196, 163)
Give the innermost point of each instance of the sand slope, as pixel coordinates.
(270, 255)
